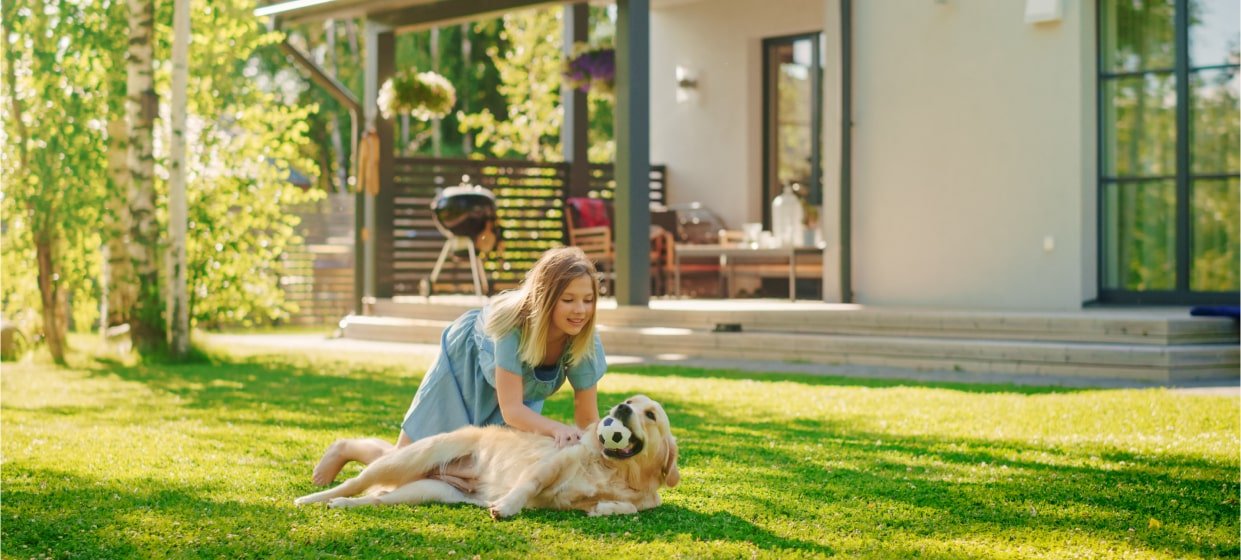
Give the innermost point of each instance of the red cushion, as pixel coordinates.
(589, 212)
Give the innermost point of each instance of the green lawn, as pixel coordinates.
(107, 460)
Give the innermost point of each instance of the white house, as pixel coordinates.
(977, 127)
(983, 172)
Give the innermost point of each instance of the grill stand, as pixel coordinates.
(476, 266)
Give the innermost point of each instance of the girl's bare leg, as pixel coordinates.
(363, 450)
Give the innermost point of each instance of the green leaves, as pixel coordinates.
(57, 94)
(529, 68)
(241, 141)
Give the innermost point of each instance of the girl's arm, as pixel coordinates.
(509, 393)
(586, 407)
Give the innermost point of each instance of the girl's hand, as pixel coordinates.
(566, 436)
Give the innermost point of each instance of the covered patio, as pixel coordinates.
(395, 235)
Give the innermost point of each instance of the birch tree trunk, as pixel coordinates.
(118, 281)
(145, 321)
(178, 308)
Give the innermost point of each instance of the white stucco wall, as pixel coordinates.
(973, 141)
(973, 144)
(713, 144)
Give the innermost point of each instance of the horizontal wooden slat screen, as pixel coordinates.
(603, 182)
(317, 273)
(530, 210)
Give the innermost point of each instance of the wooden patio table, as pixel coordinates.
(729, 253)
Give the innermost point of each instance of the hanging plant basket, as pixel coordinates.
(591, 68)
(424, 95)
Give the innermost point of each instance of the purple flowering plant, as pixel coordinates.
(591, 67)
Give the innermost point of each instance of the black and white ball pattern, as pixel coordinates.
(613, 434)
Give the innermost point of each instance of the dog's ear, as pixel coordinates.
(672, 474)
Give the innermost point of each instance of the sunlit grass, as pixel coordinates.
(109, 459)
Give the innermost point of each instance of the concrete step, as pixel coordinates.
(1153, 327)
(1086, 360)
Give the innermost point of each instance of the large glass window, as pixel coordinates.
(1170, 219)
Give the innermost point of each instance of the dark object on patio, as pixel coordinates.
(697, 224)
(728, 327)
(1231, 311)
(466, 215)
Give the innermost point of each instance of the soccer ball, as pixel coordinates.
(613, 434)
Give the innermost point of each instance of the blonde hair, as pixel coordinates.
(529, 308)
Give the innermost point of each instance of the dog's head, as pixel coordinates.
(651, 444)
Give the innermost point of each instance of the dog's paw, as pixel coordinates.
(345, 503)
(501, 511)
(612, 508)
(341, 503)
(303, 501)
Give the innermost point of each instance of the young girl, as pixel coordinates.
(498, 364)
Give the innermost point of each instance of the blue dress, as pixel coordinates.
(460, 388)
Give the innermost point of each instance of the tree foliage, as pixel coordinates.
(242, 139)
(57, 59)
(460, 55)
(482, 61)
(530, 82)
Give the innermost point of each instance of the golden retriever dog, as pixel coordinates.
(506, 470)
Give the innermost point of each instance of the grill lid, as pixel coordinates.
(464, 210)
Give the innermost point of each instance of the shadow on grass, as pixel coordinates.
(774, 479)
(54, 514)
(961, 488)
(351, 400)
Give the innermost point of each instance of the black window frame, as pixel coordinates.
(1182, 294)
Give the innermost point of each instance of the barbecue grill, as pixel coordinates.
(464, 210)
(462, 213)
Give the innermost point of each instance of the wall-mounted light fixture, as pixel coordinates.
(687, 85)
(1044, 11)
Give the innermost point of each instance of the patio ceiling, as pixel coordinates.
(401, 15)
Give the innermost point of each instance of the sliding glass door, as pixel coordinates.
(792, 118)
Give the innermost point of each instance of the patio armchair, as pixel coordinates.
(588, 224)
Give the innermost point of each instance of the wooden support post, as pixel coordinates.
(574, 129)
(378, 211)
(633, 153)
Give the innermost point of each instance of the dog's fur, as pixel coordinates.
(507, 470)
